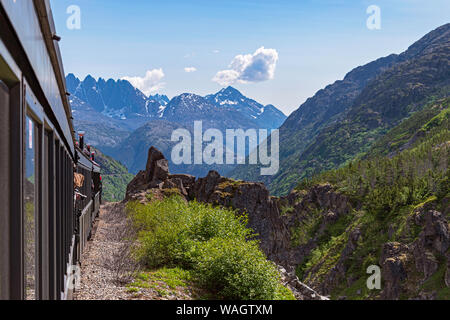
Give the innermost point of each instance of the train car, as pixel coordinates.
(45, 220)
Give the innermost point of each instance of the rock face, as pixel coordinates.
(400, 262)
(339, 271)
(393, 262)
(157, 168)
(300, 290)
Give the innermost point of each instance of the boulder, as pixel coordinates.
(188, 180)
(154, 155)
(137, 185)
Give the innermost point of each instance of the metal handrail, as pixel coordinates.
(85, 227)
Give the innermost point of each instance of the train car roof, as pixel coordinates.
(85, 161)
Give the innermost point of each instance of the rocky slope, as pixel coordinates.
(251, 198)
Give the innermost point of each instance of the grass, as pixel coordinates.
(164, 281)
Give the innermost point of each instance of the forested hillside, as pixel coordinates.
(115, 177)
(345, 119)
(400, 200)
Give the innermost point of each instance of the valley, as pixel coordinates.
(363, 177)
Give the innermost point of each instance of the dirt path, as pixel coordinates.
(106, 264)
(102, 258)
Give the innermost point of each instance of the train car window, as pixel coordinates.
(30, 208)
(4, 189)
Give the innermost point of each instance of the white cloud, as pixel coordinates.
(256, 67)
(190, 69)
(150, 83)
(216, 51)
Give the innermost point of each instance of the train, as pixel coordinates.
(50, 184)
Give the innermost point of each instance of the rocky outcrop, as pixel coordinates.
(435, 233)
(300, 290)
(157, 168)
(402, 262)
(252, 198)
(263, 211)
(157, 178)
(393, 260)
(433, 242)
(338, 273)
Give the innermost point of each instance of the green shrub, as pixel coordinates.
(236, 270)
(214, 243)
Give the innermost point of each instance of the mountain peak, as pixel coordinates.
(71, 76)
(230, 91)
(89, 78)
(187, 98)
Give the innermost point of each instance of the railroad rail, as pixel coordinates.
(45, 220)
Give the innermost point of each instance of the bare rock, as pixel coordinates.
(161, 170)
(137, 185)
(339, 271)
(154, 155)
(435, 234)
(175, 183)
(300, 290)
(393, 260)
(188, 180)
(434, 238)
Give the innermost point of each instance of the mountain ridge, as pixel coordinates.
(120, 100)
(116, 116)
(345, 118)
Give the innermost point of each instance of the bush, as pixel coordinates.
(212, 242)
(236, 270)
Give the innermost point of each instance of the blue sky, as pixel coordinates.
(314, 42)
